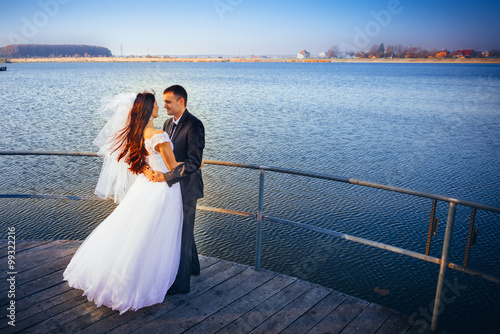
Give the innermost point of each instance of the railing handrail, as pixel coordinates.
(89, 154)
(360, 183)
(301, 173)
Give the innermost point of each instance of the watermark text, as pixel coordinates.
(11, 275)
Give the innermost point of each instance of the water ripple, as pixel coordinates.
(432, 128)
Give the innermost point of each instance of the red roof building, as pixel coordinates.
(464, 54)
(303, 54)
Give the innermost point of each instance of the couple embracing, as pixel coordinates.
(145, 248)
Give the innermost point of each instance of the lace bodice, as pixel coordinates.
(155, 159)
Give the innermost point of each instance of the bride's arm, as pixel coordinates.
(168, 155)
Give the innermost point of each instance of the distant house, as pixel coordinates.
(464, 54)
(303, 54)
(442, 54)
(323, 55)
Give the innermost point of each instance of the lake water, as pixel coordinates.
(430, 127)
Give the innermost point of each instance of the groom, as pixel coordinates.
(188, 136)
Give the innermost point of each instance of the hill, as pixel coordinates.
(50, 51)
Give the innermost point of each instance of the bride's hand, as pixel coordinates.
(154, 176)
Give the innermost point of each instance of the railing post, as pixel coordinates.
(444, 263)
(259, 219)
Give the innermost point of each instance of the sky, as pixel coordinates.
(251, 27)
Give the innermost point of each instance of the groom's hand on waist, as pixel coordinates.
(175, 175)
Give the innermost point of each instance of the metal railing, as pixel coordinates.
(443, 262)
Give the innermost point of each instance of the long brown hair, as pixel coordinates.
(130, 141)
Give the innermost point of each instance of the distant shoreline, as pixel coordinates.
(254, 60)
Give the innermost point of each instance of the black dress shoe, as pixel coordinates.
(195, 273)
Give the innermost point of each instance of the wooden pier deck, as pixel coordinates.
(226, 298)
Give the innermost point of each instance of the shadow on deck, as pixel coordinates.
(226, 298)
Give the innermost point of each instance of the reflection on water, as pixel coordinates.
(433, 128)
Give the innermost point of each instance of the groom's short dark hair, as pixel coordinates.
(179, 91)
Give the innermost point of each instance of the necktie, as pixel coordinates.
(172, 129)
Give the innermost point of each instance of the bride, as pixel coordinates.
(131, 259)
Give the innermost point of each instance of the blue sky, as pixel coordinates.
(245, 27)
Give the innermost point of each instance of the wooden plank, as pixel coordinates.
(4, 243)
(84, 321)
(50, 301)
(26, 282)
(279, 321)
(26, 246)
(23, 275)
(38, 298)
(19, 246)
(28, 324)
(38, 284)
(104, 323)
(201, 307)
(57, 316)
(317, 313)
(38, 257)
(343, 315)
(241, 306)
(43, 257)
(19, 242)
(52, 265)
(172, 302)
(397, 323)
(42, 301)
(253, 318)
(368, 321)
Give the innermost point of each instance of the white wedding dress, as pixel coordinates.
(131, 259)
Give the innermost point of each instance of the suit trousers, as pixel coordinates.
(189, 262)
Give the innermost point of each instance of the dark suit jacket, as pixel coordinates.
(189, 142)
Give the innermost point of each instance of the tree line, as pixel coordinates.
(400, 51)
(53, 51)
